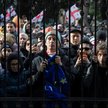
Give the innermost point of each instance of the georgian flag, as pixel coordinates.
(38, 18)
(74, 14)
(10, 12)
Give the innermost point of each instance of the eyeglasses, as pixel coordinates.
(86, 48)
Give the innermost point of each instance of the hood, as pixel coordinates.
(14, 56)
(24, 27)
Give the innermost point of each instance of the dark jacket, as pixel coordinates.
(73, 50)
(79, 88)
(97, 81)
(14, 83)
(67, 68)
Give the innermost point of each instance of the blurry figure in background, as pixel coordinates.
(65, 41)
(23, 37)
(30, 53)
(61, 17)
(26, 28)
(34, 47)
(40, 38)
(60, 28)
(36, 29)
(11, 40)
(77, 24)
(24, 19)
(5, 51)
(101, 36)
(11, 28)
(75, 39)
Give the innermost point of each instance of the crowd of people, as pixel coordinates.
(56, 63)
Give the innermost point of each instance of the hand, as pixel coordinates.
(78, 62)
(58, 60)
(43, 65)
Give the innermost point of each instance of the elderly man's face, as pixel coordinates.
(22, 40)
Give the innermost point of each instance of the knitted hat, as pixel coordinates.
(53, 32)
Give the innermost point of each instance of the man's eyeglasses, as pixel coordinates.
(86, 48)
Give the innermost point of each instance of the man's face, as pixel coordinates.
(85, 48)
(101, 56)
(10, 28)
(22, 40)
(75, 38)
(51, 42)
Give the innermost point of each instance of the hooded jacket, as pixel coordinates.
(14, 84)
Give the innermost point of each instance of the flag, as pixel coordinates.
(10, 12)
(74, 14)
(38, 18)
(56, 84)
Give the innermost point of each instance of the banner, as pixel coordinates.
(38, 18)
(74, 14)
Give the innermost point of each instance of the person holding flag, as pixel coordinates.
(52, 72)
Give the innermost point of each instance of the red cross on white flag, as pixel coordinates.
(10, 12)
(74, 14)
(38, 18)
